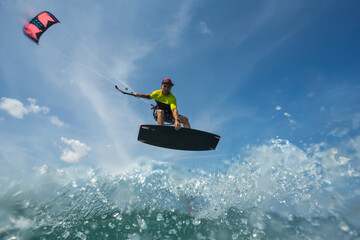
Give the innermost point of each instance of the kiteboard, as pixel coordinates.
(183, 139)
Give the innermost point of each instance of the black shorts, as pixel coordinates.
(168, 117)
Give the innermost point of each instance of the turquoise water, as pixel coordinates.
(275, 191)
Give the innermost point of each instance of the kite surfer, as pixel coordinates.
(166, 108)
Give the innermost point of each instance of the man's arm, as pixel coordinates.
(147, 96)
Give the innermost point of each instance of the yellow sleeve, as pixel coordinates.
(155, 94)
(173, 103)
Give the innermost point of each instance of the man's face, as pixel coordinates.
(166, 88)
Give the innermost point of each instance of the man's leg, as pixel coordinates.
(185, 121)
(160, 117)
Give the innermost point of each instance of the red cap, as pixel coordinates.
(167, 81)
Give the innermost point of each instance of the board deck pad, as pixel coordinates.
(183, 139)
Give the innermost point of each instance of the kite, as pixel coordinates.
(39, 24)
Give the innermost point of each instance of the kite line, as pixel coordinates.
(44, 20)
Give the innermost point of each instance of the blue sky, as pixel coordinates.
(249, 71)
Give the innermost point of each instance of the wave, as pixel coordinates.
(275, 191)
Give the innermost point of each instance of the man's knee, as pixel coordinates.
(160, 117)
(160, 112)
(183, 119)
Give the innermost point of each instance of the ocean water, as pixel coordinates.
(272, 191)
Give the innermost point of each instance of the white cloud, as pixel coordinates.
(14, 107)
(356, 121)
(17, 109)
(56, 121)
(355, 146)
(278, 108)
(35, 108)
(204, 29)
(182, 19)
(77, 150)
(339, 132)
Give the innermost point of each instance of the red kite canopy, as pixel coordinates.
(39, 24)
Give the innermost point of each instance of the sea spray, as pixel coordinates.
(275, 191)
